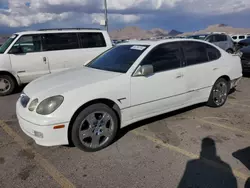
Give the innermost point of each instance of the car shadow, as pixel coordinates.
(243, 155)
(208, 170)
(122, 132)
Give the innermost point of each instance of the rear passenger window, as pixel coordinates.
(60, 41)
(164, 57)
(194, 52)
(234, 37)
(219, 38)
(212, 53)
(241, 37)
(92, 40)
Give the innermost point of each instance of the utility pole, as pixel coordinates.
(106, 14)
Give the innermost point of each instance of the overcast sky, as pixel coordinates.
(183, 15)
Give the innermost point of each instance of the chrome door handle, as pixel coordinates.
(179, 76)
(215, 68)
(45, 60)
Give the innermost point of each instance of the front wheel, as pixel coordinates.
(94, 128)
(7, 85)
(219, 93)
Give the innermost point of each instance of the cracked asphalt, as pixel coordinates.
(193, 147)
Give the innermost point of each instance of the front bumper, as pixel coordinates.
(44, 135)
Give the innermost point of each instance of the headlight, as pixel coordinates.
(49, 105)
(33, 105)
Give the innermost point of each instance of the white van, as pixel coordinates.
(28, 55)
(238, 38)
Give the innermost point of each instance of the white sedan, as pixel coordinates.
(130, 82)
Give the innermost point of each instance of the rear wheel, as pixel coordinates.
(94, 128)
(230, 51)
(7, 85)
(219, 93)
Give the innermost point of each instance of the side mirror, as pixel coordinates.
(144, 70)
(16, 50)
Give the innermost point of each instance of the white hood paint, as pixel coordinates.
(65, 81)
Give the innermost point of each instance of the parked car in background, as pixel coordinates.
(28, 55)
(223, 41)
(199, 37)
(130, 82)
(242, 43)
(245, 59)
(238, 38)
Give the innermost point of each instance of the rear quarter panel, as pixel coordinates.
(232, 65)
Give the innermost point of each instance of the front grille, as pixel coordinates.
(24, 100)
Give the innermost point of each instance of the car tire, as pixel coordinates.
(7, 85)
(230, 51)
(92, 130)
(219, 93)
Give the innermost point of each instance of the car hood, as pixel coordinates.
(59, 83)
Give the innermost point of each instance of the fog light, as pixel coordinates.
(38, 134)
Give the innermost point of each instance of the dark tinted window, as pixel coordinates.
(29, 43)
(234, 37)
(60, 41)
(210, 38)
(212, 53)
(241, 37)
(118, 59)
(248, 37)
(164, 57)
(92, 40)
(219, 38)
(194, 52)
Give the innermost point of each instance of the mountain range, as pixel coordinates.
(133, 32)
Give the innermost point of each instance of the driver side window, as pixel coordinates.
(164, 57)
(28, 44)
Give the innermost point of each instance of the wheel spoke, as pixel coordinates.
(105, 118)
(95, 142)
(216, 94)
(86, 133)
(107, 132)
(91, 119)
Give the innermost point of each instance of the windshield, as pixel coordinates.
(200, 37)
(7, 43)
(118, 59)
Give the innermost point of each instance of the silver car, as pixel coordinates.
(223, 41)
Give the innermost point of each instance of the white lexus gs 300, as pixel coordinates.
(128, 83)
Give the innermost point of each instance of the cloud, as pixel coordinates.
(25, 13)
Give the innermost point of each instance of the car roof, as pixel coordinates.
(59, 31)
(157, 42)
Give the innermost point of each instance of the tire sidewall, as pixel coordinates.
(82, 115)
(12, 85)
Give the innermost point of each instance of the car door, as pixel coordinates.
(165, 89)
(202, 69)
(27, 58)
(221, 41)
(62, 51)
